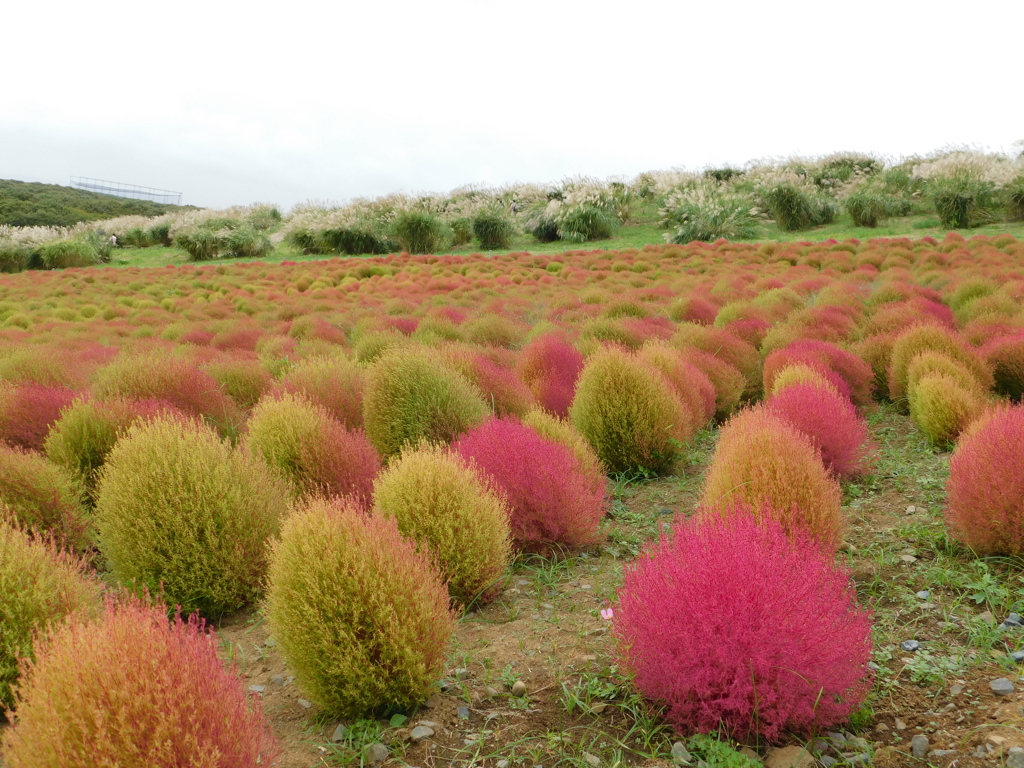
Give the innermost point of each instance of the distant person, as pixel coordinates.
(113, 241)
(514, 208)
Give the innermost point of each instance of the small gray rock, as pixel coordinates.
(590, 759)
(987, 617)
(1015, 759)
(919, 746)
(941, 752)
(461, 673)
(956, 690)
(680, 754)
(547, 606)
(519, 688)
(873, 667)
(502, 763)
(257, 688)
(910, 645)
(828, 761)
(924, 594)
(277, 679)
(836, 737)
(1017, 656)
(305, 704)
(376, 753)
(464, 713)
(339, 733)
(421, 732)
(427, 723)
(1001, 686)
(1014, 618)
(271, 642)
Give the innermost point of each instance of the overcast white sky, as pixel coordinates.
(233, 102)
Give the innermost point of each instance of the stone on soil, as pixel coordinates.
(680, 754)
(1001, 687)
(919, 746)
(789, 757)
(421, 732)
(376, 753)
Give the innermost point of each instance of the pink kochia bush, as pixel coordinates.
(985, 490)
(554, 502)
(134, 689)
(831, 422)
(550, 366)
(738, 626)
(27, 413)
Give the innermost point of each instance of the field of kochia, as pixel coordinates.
(363, 452)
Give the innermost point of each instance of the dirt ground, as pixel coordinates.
(547, 632)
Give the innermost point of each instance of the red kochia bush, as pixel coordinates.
(134, 689)
(830, 421)
(550, 366)
(28, 412)
(554, 501)
(985, 490)
(734, 625)
(854, 371)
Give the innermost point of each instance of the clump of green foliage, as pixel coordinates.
(794, 208)
(494, 229)
(360, 616)
(418, 231)
(181, 514)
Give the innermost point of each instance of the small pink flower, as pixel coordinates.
(606, 614)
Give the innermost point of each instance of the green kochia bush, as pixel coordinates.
(630, 414)
(412, 395)
(41, 585)
(361, 617)
(180, 513)
(447, 509)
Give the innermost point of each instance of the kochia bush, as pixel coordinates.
(551, 366)
(447, 509)
(27, 413)
(765, 462)
(693, 386)
(180, 513)
(361, 617)
(133, 689)
(923, 338)
(630, 414)
(554, 502)
(854, 371)
(43, 496)
(561, 431)
(942, 407)
(412, 395)
(832, 424)
(336, 383)
(312, 449)
(985, 490)
(1005, 355)
(41, 585)
(735, 625)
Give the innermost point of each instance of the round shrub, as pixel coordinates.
(27, 413)
(86, 432)
(134, 689)
(942, 407)
(813, 375)
(693, 386)
(1005, 355)
(763, 461)
(854, 371)
(493, 330)
(832, 424)
(929, 362)
(738, 625)
(630, 414)
(551, 366)
(728, 382)
(494, 229)
(360, 616)
(244, 381)
(454, 518)
(554, 503)
(336, 383)
(180, 513)
(564, 433)
(923, 338)
(985, 489)
(411, 395)
(157, 376)
(743, 356)
(311, 449)
(502, 389)
(43, 497)
(41, 585)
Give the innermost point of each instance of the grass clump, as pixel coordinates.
(412, 395)
(630, 414)
(41, 584)
(963, 200)
(69, 252)
(134, 689)
(795, 208)
(494, 229)
(418, 231)
(706, 212)
(447, 509)
(361, 617)
(181, 514)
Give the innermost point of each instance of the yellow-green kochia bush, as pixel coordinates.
(630, 413)
(362, 618)
(447, 509)
(412, 395)
(40, 584)
(180, 513)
